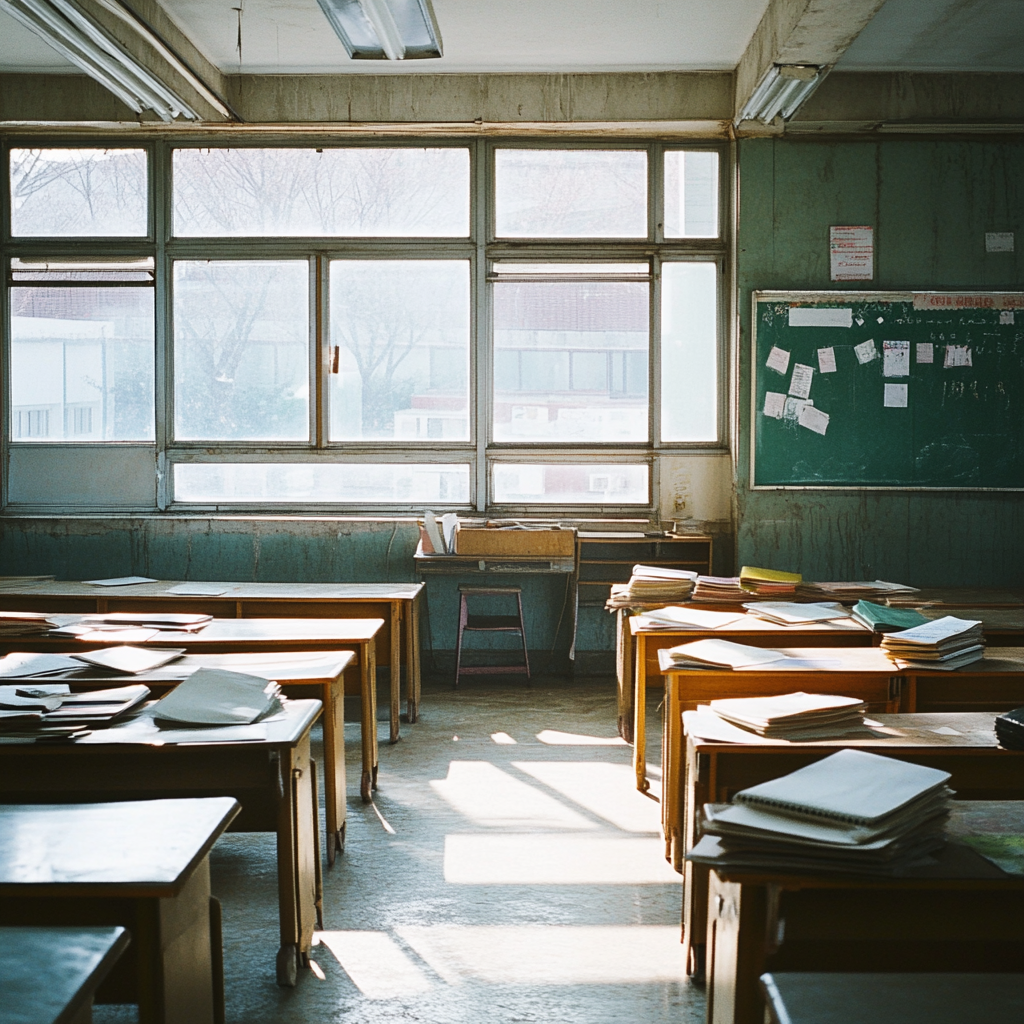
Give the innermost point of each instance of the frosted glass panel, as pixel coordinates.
(691, 194)
(565, 484)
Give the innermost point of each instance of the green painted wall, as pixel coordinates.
(930, 202)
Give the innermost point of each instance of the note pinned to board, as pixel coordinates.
(866, 351)
(800, 382)
(819, 316)
(957, 355)
(925, 352)
(793, 407)
(895, 396)
(778, 360)
(774, 404)
(895, 358)
(826, 360)
(813, 419)
(1006, 316)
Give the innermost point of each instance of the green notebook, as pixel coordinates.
(881, 619)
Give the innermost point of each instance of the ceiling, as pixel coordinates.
(292, 37)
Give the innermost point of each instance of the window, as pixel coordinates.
(517, 325)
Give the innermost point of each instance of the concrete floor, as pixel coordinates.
(507, 871)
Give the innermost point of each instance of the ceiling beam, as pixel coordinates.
(800, 32)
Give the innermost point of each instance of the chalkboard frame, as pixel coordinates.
(839, 299)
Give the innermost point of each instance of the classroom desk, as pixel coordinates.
(397, 603)
(273, 778)
(750, 630)
(143, 865)
(962, 744)
(50, 975)
(795, 997)
(995, 684)
(961, 914)
(323, 671)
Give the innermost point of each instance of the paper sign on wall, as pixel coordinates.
(851, 253)
(826, 360)
(925, 352)
(957, 355)
(794, 406)
(895, 358)
(778, 360)
(800, 382)
(865, 351)
(819, 316)
(895, 396)
(1006, 316)
(774, 404)
(813, 419)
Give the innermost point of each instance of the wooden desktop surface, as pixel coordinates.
(49, 975)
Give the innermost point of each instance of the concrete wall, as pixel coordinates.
(930, 202)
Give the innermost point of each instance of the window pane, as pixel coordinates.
(301, 482)
(562, 484)
(691, 194)
(356, 191)
(82, 364)
(570, 361)
(241, 350)
(402, 331)
(75, 193)
(689, 352)
(563, 193)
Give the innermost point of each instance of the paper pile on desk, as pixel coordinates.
(789, 613)
(130, 660)
(719, 589)
(946, 643)
(213, 696)
(24, 623)
(677, 618)
(33, 713)
(769, 582)
(853, 590)
(656, 583)
(853, 812)
(716, 654)
(793, 716)
(880, 618)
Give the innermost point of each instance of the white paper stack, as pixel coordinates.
(716, 654)
(947, 643)
(656, 583)
(719, 590)
(676, 618)
(852, 812)
(212, 696)
(793, 716)
(853, 590)
(129, 660)
(24, 623)
(790, 613)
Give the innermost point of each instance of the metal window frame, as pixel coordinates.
(480, 248)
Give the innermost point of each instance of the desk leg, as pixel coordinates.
(396, 671)
(671, 767)
(317, 855)
(412, 657)
(625, 644)
(698, 791)
(736, 952)
(333, 696)
(640, 724)
(368, 686)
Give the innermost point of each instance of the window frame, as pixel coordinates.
(481, 248)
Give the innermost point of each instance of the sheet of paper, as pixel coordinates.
(793, 407)
(1006, 316)
(217, 697)
(199, 589)
(895, 358)
(925, 352)
(800, 382)
(774, 404)
(120, 581)
(998, 241)
(130, 660)
(778, 360)
(818, 316)
(813, 419)
(865, 351)
(19, 666)
(692, 618)
(895, 396)
(826, 360)
(851, 253)
(957, 355)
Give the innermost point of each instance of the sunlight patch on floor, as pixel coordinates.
(572, 739)
(377, 965)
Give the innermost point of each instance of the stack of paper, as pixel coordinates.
(178, 622)
(129, 660)
(25, 665)
(769, 582)
(853, 812)
(789, 613)
(49, 712)
(853, 591)
(24, 623)
(719, 590)
(946, 643)
(655, 583)
(793, 716)
(716, 654)
(674, 617)
(8, 583)
(880, 618)
(212, 696)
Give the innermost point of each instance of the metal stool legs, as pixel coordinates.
(490, 623)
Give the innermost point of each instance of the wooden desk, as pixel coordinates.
(995, 684)
(397, 603)
(273, 778)
(50, 975)
(143, 865)
(749, 630)
(962, 914)
(713, 772)
(799, 998)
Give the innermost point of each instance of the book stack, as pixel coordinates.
(853, 591)
(947, 643)
(850, 813)
(48, 712)
(719, 590)
(793, 716)
(656, 583)
(769, 582)
(880, 618)
(789, 613)
(716, 654)
(24, 624)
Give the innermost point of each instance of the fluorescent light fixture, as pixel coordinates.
(385, 29)
(88, 46)
(781, 92)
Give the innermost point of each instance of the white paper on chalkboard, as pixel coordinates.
(1006, 316)
(794, 406)
(957, 355)
(813, 419)
(866, 351)
(925, 352)
(819, 316)
(778, 360)
(895, 358)
(800, 382)
(826, 360)
(895, 396)
(774, 404)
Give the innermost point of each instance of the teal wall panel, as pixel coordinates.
(930, 202)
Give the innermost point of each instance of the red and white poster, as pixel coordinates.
(851, 253)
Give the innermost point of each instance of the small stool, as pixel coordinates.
(491, 623)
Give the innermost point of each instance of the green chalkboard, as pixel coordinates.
(891, 418)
